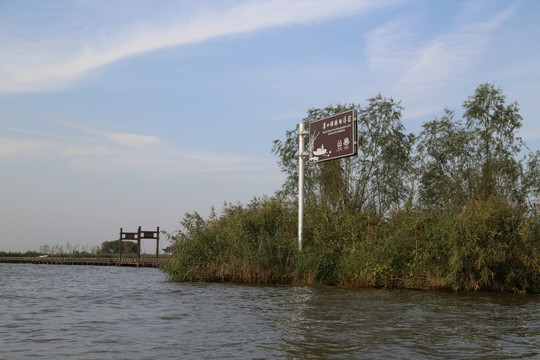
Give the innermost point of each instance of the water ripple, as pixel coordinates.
(79, 312)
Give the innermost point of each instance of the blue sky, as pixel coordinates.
(129, 112)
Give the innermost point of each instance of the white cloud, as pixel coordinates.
(82, 151)
(34, 61)
(10, 148)
(160, 162)
(420, 68)
(389, 48)
(450, 54)
(133, 140)
(94, 151)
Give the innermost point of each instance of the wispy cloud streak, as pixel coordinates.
(34, 61)
(418, 66)
(23, 148)
(100, 152)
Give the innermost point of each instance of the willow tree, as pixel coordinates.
(475, 158)
(447, 172)
(531, 180)
(495, 125)
(376, 179)
(383, 167)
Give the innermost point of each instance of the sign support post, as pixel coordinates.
(330, 138)
(301, 155)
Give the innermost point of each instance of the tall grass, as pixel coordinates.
(481, 245)
(252, 244)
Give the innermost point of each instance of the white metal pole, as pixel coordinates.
(301, 155)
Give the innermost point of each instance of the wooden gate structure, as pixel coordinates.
(138, 236)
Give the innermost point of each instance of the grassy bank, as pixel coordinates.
(454, 207)
(482, 245)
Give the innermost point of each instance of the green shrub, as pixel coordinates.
(252, 244)
(481, 245)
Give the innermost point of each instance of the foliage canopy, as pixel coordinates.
(455, 207)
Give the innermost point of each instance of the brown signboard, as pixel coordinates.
(130, 236)
(149, 235)
(333, 137)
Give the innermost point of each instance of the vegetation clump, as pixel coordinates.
(450, 208)
(107, 249)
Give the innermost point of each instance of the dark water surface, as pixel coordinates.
(86, 312)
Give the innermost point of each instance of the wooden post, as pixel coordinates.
(120, 245)
(139, 245)
(157, 243)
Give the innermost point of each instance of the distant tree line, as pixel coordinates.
(106, 248)
(68, 249)
(113, 247)
(456, 207)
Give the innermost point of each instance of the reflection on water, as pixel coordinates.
(78, 312)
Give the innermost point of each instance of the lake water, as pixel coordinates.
(87, 312)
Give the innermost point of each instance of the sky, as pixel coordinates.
(127, 113)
